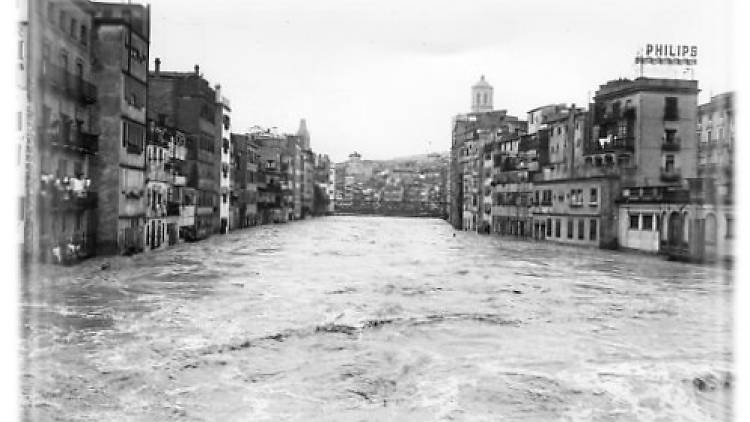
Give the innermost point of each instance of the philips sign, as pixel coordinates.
(669, 54)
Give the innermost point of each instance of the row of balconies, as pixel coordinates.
(84, 142)
(66, 193)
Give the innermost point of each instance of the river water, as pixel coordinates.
(374, 318)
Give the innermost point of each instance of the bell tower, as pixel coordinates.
(481, 96)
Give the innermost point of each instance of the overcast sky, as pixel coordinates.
(385, 77)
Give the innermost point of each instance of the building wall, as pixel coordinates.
(188, 103)
(57, 55)
(580, 201)
(122, 56)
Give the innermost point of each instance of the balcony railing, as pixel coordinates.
(66, 193)
(671, 115)
(625, 143)
(671, 144)
(670, 175)
(84, 142)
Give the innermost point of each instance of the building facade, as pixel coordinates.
(186, 101)
(62, 132)
(656, 119)
(225, 180)
(121, 41)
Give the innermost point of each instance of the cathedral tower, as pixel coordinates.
(481, 96)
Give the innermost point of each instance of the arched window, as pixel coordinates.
(478, 98)
(484, 97)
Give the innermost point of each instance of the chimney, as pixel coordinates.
(157, 65)
(197, 70)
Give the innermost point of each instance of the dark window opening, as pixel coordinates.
(647, 222)
(634, 221)
(671, 111)
(592, 229)
(581, 229)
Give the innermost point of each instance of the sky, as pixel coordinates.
(384, 78)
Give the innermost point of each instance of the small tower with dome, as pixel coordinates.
(481, 96)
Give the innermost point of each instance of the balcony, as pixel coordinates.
(670, 146)
(614, 144)
(68, 84)
(134, 149)
(83, 142)
(157, 211)
(671, 115)
(66, 193)
(656, 194)
(671, 142)
(670, 175)
(85, 92)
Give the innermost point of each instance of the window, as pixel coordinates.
(592, 229)
(557, 227)
(616, 109)
(634, 221)
(581, 223)
(73, 27)
(21, 50)
(51, 12)
(62, 19)
(594, 197)
(570, 228)
(669, 163)
(648, 220)
(549, 227)
(708, 136)
(84, 35)
(670, 108)
(133, 137)
(20, 121)
(670, 137)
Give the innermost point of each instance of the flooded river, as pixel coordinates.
(373, 318)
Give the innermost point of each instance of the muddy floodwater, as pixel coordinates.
(374, 318)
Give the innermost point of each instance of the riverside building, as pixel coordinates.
(62, 134)
(186, 101)
(121, 43)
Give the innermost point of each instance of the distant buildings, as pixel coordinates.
(409, 187)
(643, 168)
